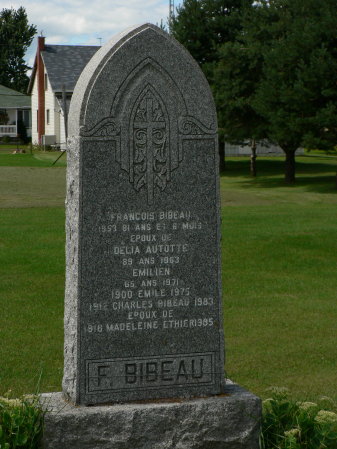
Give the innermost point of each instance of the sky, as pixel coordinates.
(87, 22)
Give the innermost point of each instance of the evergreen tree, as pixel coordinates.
(235, 80)
(15, 37)
(297, 91)
(202, 26)
(278, 80)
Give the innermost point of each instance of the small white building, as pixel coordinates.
(263, 148)
(54, 76)
(14, 106)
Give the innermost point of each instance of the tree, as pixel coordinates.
(15, 37)
(202, 26)
(277, 80)
(297, 91)
(235, 80)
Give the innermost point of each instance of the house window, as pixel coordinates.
(45, 81)
(48, 116)
(24, 116)
(27, 118)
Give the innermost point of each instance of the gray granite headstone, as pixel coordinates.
(143, 312)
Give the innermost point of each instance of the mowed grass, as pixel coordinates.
(31, 271)
(30, 180)
(279, 249)
(31, 159)
(31, 298)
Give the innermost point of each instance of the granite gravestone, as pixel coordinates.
(143, 312)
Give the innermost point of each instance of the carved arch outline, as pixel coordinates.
(146, 65)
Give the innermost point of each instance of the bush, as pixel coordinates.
(287, 424)
(21, 422)
(6, 139)
(39, 147)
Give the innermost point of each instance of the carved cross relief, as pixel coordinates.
(147, 154)
(149, 151)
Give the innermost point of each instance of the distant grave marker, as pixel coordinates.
(143, 314)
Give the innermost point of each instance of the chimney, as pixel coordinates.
(40, 89)
(40, 43)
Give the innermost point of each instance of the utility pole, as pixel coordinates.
(171, 15)
(65, 116)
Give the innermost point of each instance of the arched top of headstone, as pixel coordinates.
(143, 62)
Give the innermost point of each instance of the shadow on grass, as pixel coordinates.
(271, 167)
(314, 177)
(319, 184)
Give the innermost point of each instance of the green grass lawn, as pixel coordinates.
(31, 298)
(31, 159)
(279, 249)
(279, 275)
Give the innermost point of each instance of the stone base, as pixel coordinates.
(227, 421)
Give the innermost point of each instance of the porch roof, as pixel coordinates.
(11, 99)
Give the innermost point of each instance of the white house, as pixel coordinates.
(14, 106)
(55, 73)
(54, 76)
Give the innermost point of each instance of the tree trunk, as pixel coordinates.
(290, 167)
(253, 158)
(222, 164)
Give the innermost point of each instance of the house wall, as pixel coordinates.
(35, 138)
(52, 126)
(49, 109)
(61, 126)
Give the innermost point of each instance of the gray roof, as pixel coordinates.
(64, 64)
(10, 98)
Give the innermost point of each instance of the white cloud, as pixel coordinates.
(76, 17)
(85, 21)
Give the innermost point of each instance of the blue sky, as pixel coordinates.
(84, 22)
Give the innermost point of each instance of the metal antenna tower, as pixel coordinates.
(171, 15)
